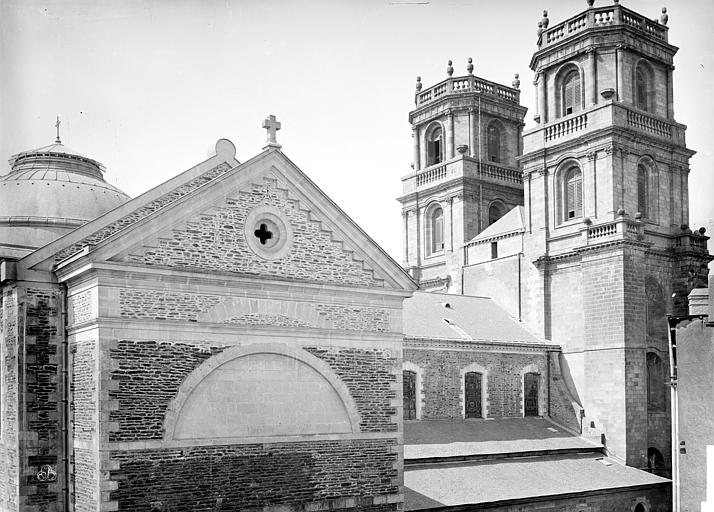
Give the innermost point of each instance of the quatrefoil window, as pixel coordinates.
(263, 234)
(268, 232)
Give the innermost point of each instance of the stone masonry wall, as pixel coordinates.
(9, 454)
(84, 385)
(41, 443)
(255, 477)
(86, 480)
(367, 374)
(159, 305)
(442, 380)
(149, 375)
(215, 240)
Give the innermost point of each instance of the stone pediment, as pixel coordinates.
(261, 218)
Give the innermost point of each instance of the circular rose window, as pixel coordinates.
(268, 232)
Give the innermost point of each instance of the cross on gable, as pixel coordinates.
(272, 126)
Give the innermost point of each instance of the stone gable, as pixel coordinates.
(223, 238)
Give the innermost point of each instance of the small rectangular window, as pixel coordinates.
(494, 250)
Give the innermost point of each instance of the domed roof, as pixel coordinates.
(48, 192)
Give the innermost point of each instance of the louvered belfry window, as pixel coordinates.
(574, 194)
(642, 190)
(571, 93)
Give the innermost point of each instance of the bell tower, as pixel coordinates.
(606, 213)
(467, 138)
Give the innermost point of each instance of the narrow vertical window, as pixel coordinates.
(642, 190)
(494, 250)
(409, 394)
(472, 392)
(530, 394)
(434, 147)
(573, 194)
(655, 382)
(641, 89)
(494, 143)
(437, 230)
(571, 93)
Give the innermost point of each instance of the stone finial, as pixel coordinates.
(591, 3)
(540, 29)
(545, 20)
(616, 1)
(665, 17)
(702, 230)
(516, 82)
(621, 212)
(418, 84)
(450, 69)
(470, 66)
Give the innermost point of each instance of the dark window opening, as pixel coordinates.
(642, 190)
(263, 234)
(434, 147)
(409, 394)
(494, 250)
(494, 144)
(472, 395)
(437, 230)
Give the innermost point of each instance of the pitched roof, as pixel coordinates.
(462, 317)
(510, 223)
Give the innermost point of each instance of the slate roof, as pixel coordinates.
(489, 481)
(466, 318)
(510, 223)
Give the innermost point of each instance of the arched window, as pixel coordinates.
(436, 230)
(495, 211)
(640, 508)
(573, 194)
(494, 143)
(642, 192)
(655, 382)
(655, 461)
(571, 93)
(641, 89)
(643, 94)
(434, 146)
(472, 395)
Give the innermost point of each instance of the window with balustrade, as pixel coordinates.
(434, 145)
(434, 229)
(571, 193)
(494, 142)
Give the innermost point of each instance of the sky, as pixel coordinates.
(148, 87)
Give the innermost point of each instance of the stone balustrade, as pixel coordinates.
(603, 116)
(566, 127)
(599, 17)
(466, 84)
(460, 167)
(622, 227)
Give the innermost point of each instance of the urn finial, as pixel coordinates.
(470, 66)
(418, 84)
(665, 17)
(450, 69)
(545, 20)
